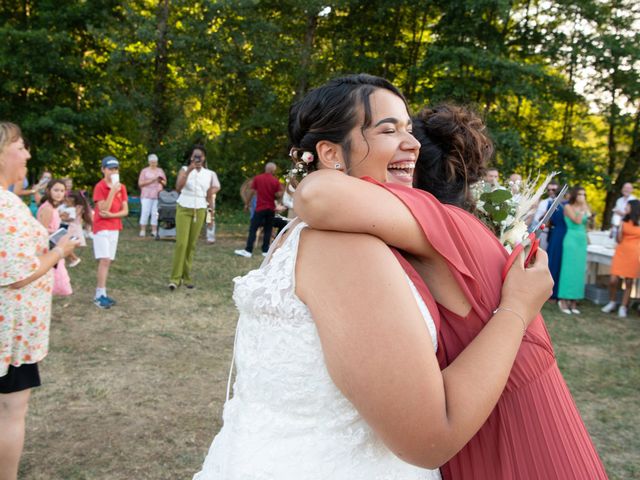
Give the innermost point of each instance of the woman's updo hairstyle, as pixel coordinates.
(454, 151)
(329, 113)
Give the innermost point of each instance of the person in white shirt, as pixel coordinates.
(197, 186)
(620, 208)
(543, 206)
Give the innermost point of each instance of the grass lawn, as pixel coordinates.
(136, 392)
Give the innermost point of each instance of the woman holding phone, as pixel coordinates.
(197, 186)
(26, 281)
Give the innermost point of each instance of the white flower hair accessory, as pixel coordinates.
(307, 157)
(302, 160)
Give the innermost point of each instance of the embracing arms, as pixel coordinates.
(379, 352)
(331, 200)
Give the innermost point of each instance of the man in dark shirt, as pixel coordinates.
(267, 188)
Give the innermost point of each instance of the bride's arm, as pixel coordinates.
(379, 353)
(331, 200)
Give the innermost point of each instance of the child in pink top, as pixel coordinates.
(49, 217)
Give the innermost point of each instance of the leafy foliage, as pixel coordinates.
(558, 82)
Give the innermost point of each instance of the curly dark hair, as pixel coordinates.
(455, 149)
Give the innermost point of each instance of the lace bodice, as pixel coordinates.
(287, 420)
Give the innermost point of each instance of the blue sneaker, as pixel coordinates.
(111, 301)
(102, 302)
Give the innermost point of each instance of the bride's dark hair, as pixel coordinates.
(454, 151)
(330, 112)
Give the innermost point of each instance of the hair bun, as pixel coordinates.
(455, 149)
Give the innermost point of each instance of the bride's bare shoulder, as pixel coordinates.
(318, 244)
(327, 259)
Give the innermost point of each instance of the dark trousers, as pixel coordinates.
(263, 218)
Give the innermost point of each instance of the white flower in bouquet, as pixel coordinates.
(514, 235)
(504, 214)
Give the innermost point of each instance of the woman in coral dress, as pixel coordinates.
(626, 261)
(535, 431)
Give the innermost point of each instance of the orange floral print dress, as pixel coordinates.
(24, 312)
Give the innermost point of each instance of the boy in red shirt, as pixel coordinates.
(110, 199)
(267, 188)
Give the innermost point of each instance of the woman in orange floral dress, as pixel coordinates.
(25, 298)
(626, 261)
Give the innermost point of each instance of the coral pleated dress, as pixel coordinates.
(535, 431)
(626, 260)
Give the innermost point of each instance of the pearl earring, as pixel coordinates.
(337, 166)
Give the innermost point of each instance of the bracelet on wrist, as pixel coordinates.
(506, 309)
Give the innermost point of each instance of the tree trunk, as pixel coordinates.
(159, 115)
(628, 173)
(392, 40)
(612, 187)
(416, 40)
(305, 58)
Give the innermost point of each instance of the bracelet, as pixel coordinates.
(59, 251)
(506, 309)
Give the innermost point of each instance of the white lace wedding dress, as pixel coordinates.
(287, 420)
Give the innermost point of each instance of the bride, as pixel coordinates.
(337, 376)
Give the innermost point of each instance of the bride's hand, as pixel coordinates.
(525, 290)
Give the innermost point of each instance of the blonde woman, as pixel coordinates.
(26, 283)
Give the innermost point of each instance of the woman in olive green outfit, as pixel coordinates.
(197, 186)
(574, 252)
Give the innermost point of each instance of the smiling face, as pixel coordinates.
(13, 162)
(385, 151)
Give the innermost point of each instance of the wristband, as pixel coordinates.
(524, 324)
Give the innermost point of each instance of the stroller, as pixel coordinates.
(167, 202)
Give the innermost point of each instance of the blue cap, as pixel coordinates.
(110, 162)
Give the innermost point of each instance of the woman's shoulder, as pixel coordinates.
(322, 244)
(8, 199)
(629, 225)
(45, 206)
